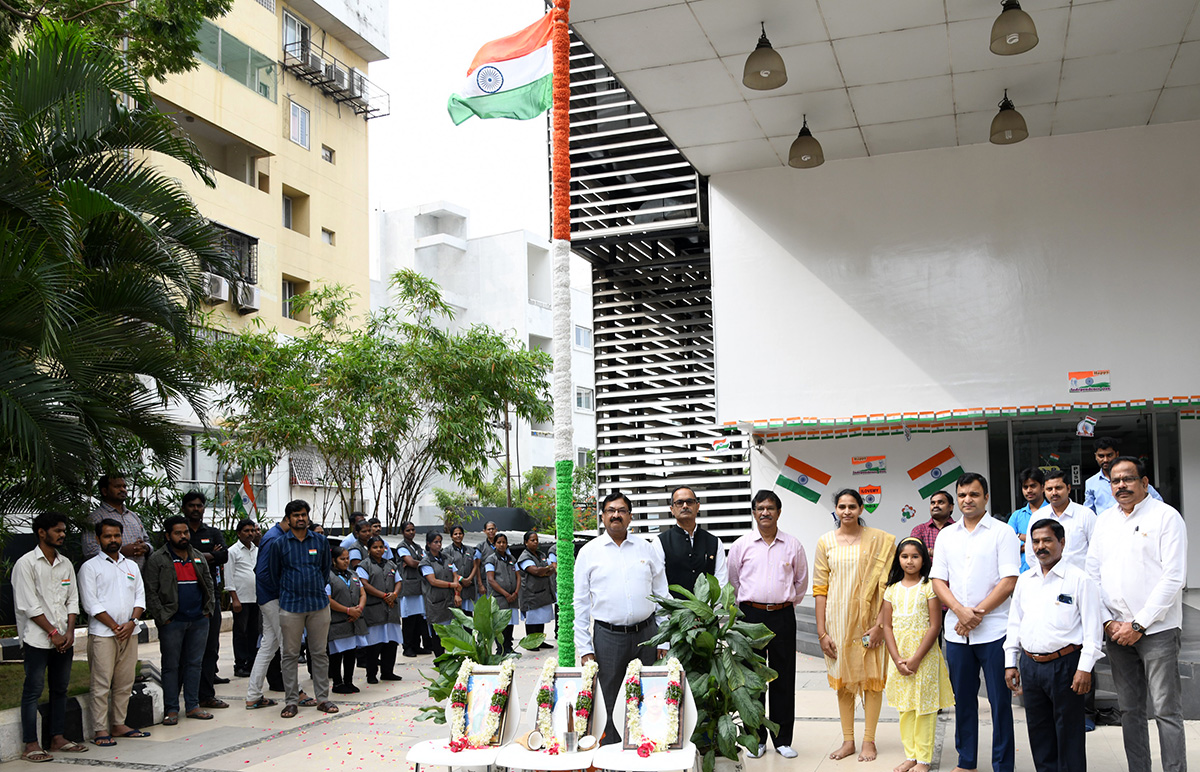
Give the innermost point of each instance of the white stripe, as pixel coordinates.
(516, 72)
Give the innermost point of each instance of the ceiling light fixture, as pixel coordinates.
(1013, 31)
(764, 67)
(1008, 127)
(805, 152)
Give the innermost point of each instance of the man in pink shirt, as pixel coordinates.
(770, 573)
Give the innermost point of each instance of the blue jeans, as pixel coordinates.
(1150, 665)
(37, 663)
(964, 661)
(182, 645)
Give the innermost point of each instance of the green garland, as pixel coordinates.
(565, 525)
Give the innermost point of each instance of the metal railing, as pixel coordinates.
(335, 79)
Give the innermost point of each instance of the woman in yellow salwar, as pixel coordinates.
(851, 573)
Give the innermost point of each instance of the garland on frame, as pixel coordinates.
(459, 739)
(633, 707)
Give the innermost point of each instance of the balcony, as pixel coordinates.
(336, 80)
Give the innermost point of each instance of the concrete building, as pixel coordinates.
(280, 105)
(503, 281)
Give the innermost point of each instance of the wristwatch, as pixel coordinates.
(1137, 628)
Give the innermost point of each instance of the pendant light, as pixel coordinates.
(1008, 127)
(764, 67)
(1013, 31)
(805, 152)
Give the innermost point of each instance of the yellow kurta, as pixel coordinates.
(835, 571)
(928, 690)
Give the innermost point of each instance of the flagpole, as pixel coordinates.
(564, 446)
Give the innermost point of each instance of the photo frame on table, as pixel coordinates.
(480, 687)
(568, 683)
(654, 710)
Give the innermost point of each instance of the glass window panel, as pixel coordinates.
(208, 38)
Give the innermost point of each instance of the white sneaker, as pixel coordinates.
(786, 751)
(762, 748)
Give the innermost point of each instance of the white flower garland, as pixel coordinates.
(459, 740)
(545, 691)
(633, 707)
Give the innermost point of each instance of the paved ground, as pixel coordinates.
(374, 730)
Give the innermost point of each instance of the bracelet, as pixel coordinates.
(822, 635)
(54, 631)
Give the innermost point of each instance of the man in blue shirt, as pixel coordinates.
(299, 562)
(1097, 493)
(267, 591)
(1033, 483)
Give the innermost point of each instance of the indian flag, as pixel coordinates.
(509, 78)
(244, 501)
(936, 473)
(803, 480)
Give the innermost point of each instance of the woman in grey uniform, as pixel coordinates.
(504, 584)
(440, 587)
(347, 628)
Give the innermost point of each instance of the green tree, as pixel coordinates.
(158, 37)
(388, 401)
(100, 271)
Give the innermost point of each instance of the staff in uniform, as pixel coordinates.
(383, 634)
(504, 584)
(537, 581)
(439, 587)
(347, 628)
(412, 605)
(463, 558)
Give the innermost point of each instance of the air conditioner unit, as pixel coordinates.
(340, 78)
(314, 63)
(248, 298)
(216, 288)
(356, 83)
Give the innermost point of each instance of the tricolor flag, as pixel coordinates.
(936, 473)
(803, 480)
(511, 77)
(720, 444)
(244, 501)
(872, 496)
(868, 464)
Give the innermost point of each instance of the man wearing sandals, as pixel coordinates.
(111, 590)
(46, 600)
(180, 597)
(300, 563)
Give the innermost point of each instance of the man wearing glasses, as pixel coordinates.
(687, 550)
(615, 574)
(1138, 556)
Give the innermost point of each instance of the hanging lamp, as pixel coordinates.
(1008, 127)
(764, 68)
(805, 152)
(1013, 31)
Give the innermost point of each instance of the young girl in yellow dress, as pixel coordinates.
(918, 684)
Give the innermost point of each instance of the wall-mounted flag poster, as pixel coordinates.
(936, 472)
(802, 479)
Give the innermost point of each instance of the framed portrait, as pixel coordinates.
(480, 687)
(654, 710)
(568, 683)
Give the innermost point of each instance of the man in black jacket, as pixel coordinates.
(210, 543)
(687, 549)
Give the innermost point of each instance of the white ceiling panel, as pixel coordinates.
(1116, 25)
(810, 67)
(1026, 83)
(839, 143)
(733, 28)
(1122, 73)
(891, 56)
(879, 77)
(826, 110)
(1177, 104)
(1112, 112)
(1185, 71)
(910, 135)
(908, 100)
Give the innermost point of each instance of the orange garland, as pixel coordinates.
(560, 163)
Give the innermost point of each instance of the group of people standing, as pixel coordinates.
(1113, 578)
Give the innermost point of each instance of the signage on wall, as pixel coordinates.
(1089, 380)
(872, 496)
(1086, 427)
(907, 513)
(868, 464)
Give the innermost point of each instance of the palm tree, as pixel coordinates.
(100, 269)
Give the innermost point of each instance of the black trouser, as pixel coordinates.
(781, 657)
(1054, 714)
(247, 626)
(614, 651)
(341, 667)
(275, 672)
(417, 639)
(212, 650)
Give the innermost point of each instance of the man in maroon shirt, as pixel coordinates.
(941, 507)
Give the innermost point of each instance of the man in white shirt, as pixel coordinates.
(112, 593)
(1052, 644)
(1138, 555)
(686, 549)
(46, 601)
(1077, 520)
(974, 571)
(247, 622)
(1097, 489)
(615, 575)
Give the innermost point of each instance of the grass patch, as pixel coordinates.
(12, 679)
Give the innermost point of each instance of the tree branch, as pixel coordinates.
(100, 7)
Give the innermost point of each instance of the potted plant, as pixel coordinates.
(720, 655)
(479, 638)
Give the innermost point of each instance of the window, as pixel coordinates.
(584, 399)
(581, 456)
(327, 154)
(290, 290)
(295, 210)
(288, 210)
(296, 35)
(219, 49)
(299, 126)
(327, 236)
(583, 338)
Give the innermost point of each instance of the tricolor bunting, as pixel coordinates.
(935, 473)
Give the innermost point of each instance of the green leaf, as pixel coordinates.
(727, 735)
(532, 641)
(749, 709)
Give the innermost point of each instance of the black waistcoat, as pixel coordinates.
(687, 559)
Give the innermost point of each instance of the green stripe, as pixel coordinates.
(798, 489)
(528, 101)
(941, 482)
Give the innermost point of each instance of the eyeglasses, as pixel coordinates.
(766, 510)
(611, 511)
(685, 502)
(1124, 480)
